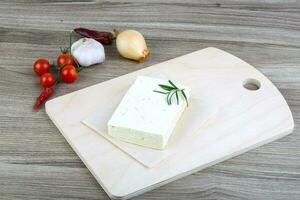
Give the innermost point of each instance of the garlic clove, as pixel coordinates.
(132, 45)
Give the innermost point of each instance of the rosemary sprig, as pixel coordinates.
(170, 91)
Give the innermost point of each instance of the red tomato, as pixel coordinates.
(68, 74)
(41, 66)
(47, 80)
(65, 59)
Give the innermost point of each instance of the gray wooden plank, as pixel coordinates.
(35, 160)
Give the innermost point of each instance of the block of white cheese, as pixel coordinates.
(144, 117)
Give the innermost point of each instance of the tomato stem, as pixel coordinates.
(70, 40)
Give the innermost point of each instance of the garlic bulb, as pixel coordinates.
(132, 45)
(88, 52)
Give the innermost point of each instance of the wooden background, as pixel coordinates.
(35, 160)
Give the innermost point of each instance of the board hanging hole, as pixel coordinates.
(251, 84)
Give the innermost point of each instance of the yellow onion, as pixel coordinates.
(131, 44)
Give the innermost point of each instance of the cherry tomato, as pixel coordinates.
(68, 74)
(65, 59)
(41, 66)
(47, 80)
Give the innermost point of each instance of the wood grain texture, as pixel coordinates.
(35, 160)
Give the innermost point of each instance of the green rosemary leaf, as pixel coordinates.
(160, 92)
(171, 94)
(177, 99)
(166, 87)
(183, 94)
(169, 102)
(172, 90)
(173, 84)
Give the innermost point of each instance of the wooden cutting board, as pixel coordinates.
(246, 119)
(195, 118)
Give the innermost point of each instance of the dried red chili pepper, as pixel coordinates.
(105, 38)
(45, 94)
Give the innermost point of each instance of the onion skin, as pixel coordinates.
(132, 45)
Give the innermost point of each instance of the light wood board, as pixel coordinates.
(194, 119)
(247, 119)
